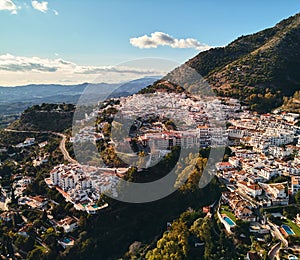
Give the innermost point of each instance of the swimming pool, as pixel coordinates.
(288, 230)
(67, 240)
(229, 221)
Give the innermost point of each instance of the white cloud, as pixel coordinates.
(13, 63)
(162, 39)
(112, 69)
(19, 70)
(40, 6)
(8, 5)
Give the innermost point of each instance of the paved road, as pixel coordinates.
(214, 208)
(62, 145)
(278, 234)
(247, 197)
(274, 251)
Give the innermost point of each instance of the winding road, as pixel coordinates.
(62, 145)
(274, 251)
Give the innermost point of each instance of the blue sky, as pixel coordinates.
(98, 32)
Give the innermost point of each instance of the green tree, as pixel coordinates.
(297, 197)
(36, 253)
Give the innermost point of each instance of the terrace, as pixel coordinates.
(225, 210)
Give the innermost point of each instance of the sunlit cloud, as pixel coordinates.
(40, 6)
(162, 39)
(8, 5)
(16, 70)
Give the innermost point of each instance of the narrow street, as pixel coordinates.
(274, 251)
(214, 208)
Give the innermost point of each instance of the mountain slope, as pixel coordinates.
(267, 59)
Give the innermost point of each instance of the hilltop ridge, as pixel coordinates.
(267, 59)
(258, 69)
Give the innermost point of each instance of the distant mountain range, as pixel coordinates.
(14, 100)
